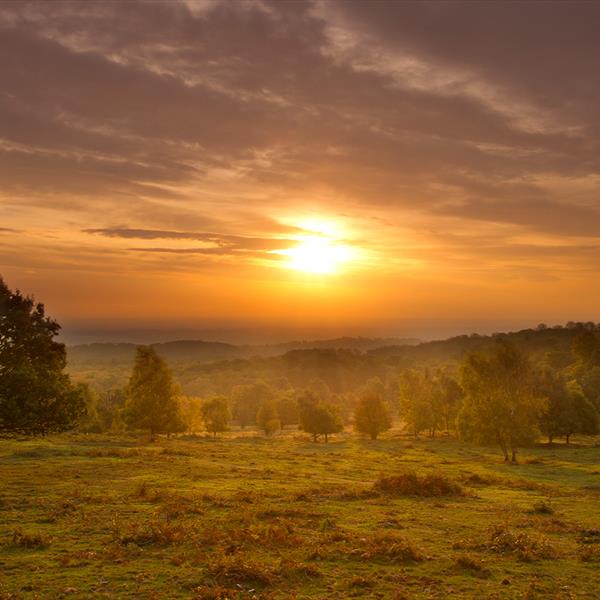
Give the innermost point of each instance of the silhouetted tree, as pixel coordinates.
(500, 402)
(36, 395)
(372, 416)
(216, 415)
(318, 418)
(152, 395)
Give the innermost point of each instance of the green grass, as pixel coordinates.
(245, 517)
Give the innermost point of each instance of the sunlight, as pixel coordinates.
(317, 254)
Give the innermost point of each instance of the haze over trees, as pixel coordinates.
(36, 394)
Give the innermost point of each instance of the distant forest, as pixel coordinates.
(344, 365)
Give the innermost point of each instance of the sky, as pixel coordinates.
(388, 168)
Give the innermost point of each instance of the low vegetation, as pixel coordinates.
(241, 516)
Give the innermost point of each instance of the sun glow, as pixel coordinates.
(317, 254)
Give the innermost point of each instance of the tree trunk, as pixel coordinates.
(314, 437)
(568, 437)
(504, 451)
(326, 438)
(514, 455)
(550, 438)
(373, 436)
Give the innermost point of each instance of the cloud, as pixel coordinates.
(214, 126)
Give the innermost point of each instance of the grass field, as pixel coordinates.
(247, 517)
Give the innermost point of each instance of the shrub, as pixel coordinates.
(473, 564)
(542, 508)
(411, 484)
(524, 546)
(234, 569)
(32, 541)
(390, 548)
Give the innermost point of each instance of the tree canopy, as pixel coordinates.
(36, 395)
(372, 416)
(152, 395)
(500, 405)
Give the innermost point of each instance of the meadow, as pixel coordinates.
(243, 516)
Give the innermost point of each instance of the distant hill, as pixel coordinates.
(201, 351)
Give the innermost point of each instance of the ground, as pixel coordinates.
(85, 516)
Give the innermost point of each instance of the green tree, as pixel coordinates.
(317, 417)
(246, 400)
(500, 403)
(590, 383)
(152, 395)
(582, 416)
(372, 416)
(449, 397)
(417, 400)
(36, 395)
(216, 414)
(267, 417)
(287, 408)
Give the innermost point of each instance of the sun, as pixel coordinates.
(317, 254)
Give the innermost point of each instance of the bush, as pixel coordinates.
(390, 548)
(411, 484)
(524, 546)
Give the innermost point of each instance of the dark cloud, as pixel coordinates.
(220, 241)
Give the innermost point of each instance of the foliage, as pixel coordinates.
(318, 418)
(411, 484)
(567, 410)
(267, 417)
(417, 401)
(152, 395)
(372, 416)
(287, 408)
(36, 395)
(246, 400)
(500, 402)
(216, 414)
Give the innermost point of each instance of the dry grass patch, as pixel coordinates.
(525, 547)
(31, 541)
(411, 484)
(389, 548)
(472, 564)
(237, 570)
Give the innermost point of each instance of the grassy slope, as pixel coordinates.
(84, 516)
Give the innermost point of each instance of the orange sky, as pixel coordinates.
(162, 163)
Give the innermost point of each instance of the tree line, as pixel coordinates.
(498, 394)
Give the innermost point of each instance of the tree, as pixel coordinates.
(449, 398)
(215, 414)
(372, 416)
(500, 403)
(553, 387)
(152, 395)
(416, 401)
(318, 418)
(267, 418)
(582, 416)
(246, 399)
(36, 395)
(287, 408)
(590, 383)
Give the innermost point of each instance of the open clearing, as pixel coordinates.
(245, 517)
